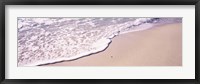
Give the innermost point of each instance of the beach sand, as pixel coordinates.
(159, 46)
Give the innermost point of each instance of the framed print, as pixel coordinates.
(55, 41)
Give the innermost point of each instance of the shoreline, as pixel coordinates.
(121, 51)
(143, 27)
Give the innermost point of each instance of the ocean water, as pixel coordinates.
(49, 40)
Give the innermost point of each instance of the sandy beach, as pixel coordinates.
(159, 46)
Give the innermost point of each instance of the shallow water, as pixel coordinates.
(48, 40)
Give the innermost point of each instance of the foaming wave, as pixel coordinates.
(49, 40)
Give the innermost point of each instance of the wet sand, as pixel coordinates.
(159, 46)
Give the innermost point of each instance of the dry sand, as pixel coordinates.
(159, 46)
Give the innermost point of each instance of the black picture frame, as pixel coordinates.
(98, 2)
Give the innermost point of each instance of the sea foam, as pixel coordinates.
(49, 40)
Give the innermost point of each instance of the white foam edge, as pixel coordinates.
(139, 28)
(99, 49)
